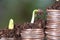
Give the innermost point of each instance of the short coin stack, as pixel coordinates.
(32, 33)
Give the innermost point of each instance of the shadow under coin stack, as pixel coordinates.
(32, 32)
(53, 23)
(10, 34)
(17, 31)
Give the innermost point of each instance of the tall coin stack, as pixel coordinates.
(53, 24)
(32, 32)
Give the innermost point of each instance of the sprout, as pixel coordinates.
(11, 24)
(33, 15)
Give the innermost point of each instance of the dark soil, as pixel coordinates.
(55, 6)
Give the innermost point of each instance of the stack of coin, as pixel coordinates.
(53, 19)
(53, 25)
(32, 32)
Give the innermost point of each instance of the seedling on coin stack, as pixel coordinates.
(31, 31)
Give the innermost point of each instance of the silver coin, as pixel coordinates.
(53, 37)
(32, 39)
(3, 38)
(10, 38)
(32, 36)
(56, 14)
(32, 31)
(52, 33)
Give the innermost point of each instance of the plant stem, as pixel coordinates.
(33, 15)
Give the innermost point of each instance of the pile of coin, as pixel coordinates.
(32, 32)
(53, 25)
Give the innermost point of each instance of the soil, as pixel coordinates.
(55, 6)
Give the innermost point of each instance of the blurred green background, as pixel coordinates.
(20, 10)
